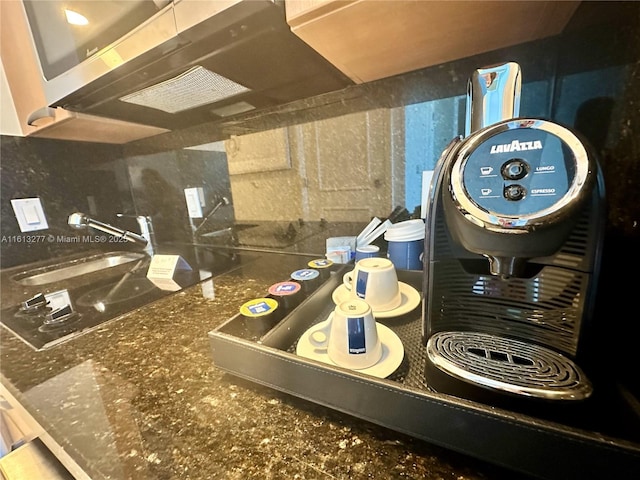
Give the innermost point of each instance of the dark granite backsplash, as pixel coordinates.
(95, 179)
(64, 175)
(158, 182)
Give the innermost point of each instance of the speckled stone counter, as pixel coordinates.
(140, 398)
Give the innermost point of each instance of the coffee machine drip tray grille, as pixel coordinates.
(504, 365)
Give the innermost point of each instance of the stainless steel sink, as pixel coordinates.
(75, 268)
(86, 290)
(229, 230)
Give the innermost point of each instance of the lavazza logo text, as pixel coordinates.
(516, 146)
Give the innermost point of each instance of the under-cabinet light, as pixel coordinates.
(75, 18)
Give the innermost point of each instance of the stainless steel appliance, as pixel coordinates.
(514, 239)
(173, 63)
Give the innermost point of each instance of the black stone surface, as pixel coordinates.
(140, 398)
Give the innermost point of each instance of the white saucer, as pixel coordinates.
(392, 351)
(410, 300)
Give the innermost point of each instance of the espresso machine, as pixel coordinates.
(512, 254)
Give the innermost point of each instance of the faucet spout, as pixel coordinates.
(80, 221)
(222, 202)
(146, 229)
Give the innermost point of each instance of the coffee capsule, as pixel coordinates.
(260, 315)
(288, 294)
(323, 265)
(309, 278)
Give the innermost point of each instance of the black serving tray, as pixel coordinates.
(600, 439)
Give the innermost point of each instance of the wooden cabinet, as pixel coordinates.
(24, 81)
(372, 39)
(9, 124)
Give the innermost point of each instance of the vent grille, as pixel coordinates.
(507, 365)
(193, 88)
(546, 309)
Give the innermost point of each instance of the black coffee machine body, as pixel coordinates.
(514, 239)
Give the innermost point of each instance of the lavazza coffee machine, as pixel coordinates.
(515, 229)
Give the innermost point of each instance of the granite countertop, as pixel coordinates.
(140, 398)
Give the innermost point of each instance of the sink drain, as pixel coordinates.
(507, 365)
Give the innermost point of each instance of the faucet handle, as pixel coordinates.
(139, 218)
(146, 225)
(78, 220)
(143, 220)
(146, 229)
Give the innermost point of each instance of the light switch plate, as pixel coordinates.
(195, 201)
(29, 213)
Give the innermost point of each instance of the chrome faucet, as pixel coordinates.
(221, 202)
(80, 220)
(146, 229)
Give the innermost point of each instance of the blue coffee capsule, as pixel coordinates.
(308, 278)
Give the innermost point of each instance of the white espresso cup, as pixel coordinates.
(375, 281)
(350, 336)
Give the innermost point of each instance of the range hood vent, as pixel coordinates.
(220, 63)
(194, 88)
